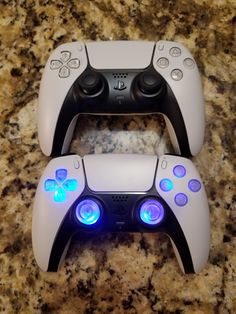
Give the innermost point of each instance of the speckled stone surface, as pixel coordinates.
(125, 273)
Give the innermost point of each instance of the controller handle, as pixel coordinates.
(61, 183)
(186, 120)
(188, 202)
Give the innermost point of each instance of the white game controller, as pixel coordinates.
(121, 77)
(121, 193)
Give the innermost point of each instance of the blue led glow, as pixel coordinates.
(151, 212)
(50, 185)
(60, 195)
(179, 171)
(70, 185)
(181, 199)
(61, 175)
(194, 185)
(88, 212)
(166, 185)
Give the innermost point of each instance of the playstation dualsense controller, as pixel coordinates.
(121, 193)
(121, 77)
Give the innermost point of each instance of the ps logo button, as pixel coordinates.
(175, 52)
(64, 72)
(176, 74)
(120, 85)
(65, 55)
(55, 64)
(189, 63)
(163, 63)
(73, 63)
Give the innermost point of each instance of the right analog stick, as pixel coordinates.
(91, 83)
(151, 212)
(151, 83)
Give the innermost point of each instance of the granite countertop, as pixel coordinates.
(124, 273)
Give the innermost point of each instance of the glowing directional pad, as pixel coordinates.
(60, 185)
(61, 175)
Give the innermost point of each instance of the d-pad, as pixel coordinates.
(60, 185)
(64, 64)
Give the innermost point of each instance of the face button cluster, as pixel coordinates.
(179, 172)
(175, 52)
(64, 64)
(60, 185)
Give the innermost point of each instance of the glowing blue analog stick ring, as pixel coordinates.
(88, 212)
(151, 212)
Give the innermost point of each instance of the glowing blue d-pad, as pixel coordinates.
(60, 185)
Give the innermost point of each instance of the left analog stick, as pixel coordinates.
(90, 83)
(88, 212)
(151, 212)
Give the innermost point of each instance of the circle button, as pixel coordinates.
(175, 51)
(194, 185)
(151, 212)
(163, 63)
(189, 63)
(177, 74)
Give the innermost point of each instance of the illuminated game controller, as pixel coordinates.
(121, 193)
(121, 77)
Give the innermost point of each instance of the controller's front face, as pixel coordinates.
(121, 77)
(121, 193)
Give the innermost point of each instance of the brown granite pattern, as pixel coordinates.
(125, 273)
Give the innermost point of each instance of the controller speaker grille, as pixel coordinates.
(120, 75)
(120, 198)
